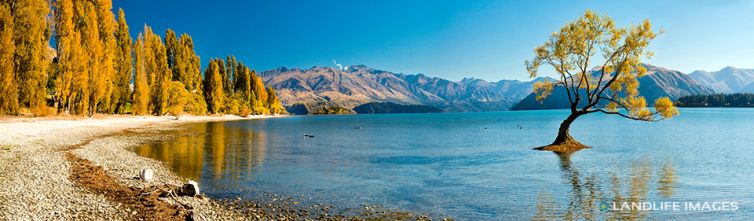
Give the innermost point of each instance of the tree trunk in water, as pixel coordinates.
(563, 135)
(564, 143)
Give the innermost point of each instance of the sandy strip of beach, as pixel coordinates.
(36, 167)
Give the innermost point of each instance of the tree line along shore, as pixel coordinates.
(717, 100)
(74, 57)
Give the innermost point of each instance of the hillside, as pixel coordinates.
(387, 107)
(317, 108)
(657, 83)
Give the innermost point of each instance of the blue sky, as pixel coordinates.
(450, 39)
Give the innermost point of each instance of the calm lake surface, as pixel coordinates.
(478, 166)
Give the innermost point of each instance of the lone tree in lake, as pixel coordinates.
(611, 88)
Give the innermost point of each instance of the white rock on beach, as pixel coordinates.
(146, 175)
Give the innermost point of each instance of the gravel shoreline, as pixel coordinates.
(39, 156)
(34, 172)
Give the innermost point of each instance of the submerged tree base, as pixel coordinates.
(567, 146)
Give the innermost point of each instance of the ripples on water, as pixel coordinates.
(477, 166)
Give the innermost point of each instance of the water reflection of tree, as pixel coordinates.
(585, 194)
(235, 151)
(667, 179)
(229, 152)
(184, 155)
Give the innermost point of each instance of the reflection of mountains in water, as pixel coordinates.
(587, 192)
(224, 153)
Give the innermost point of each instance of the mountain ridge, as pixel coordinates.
(658, 82)
(360, 84)
(727, 80)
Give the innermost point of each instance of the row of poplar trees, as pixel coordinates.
(75, 57)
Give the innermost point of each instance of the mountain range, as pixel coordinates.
(658, 82)
(360, 84)
(331, 88)
(727, 80)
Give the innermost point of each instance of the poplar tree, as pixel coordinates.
(258, 87)
(183, 61)
(229, 74)
(30, 37)
(123, 66)
(162, 76)
(81, 67)
(213, 86)
(259, 95)
(95, 61)
(91, 41)
(172, 47)
(8, 87)
(69, 55)
(178, 97)
(157, 71)
(273, 103)
(190, 67)
(107, 26)
(140, 101)
(243, 82)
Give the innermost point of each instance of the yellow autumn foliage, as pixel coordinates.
(665, 108)
(569, 52)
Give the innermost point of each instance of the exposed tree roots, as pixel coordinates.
(568, 145)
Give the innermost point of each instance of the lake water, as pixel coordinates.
(479, 166)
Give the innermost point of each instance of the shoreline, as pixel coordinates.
(74, 168)
(39, 157)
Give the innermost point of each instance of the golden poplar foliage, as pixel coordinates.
(178, 97)
(92, 61)
(229, 74)
(163, 77)
(123, 67)
(183, 61)
(213, 86)
(570, 52)
(94, 86)
(80, 61)
(30, 37)
(8, 87)
(259, 103)
(243, 82)
(157, 71)
(95, 49)
(140, 98)
(273, 102)
(107, 73)
(258, 87)
(71, 58)
(171, 47)
(189, 65)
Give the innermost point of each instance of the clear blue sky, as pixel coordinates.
(450, 39)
